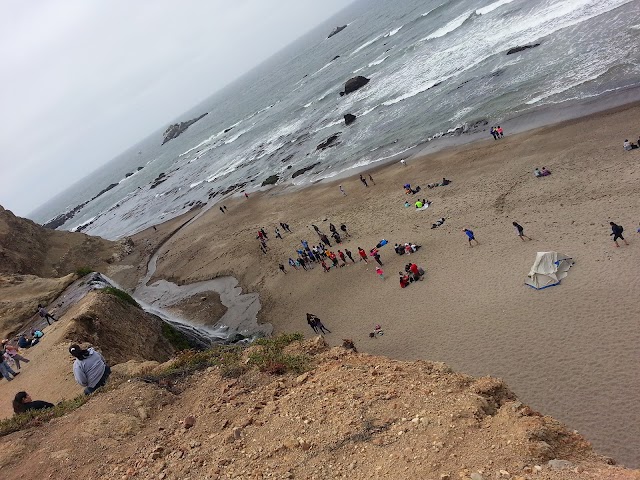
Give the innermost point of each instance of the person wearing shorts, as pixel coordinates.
(470, 236)
(520, 231)
(616, 232)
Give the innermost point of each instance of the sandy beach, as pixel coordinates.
(570, 351)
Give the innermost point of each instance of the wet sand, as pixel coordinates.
(570, 351)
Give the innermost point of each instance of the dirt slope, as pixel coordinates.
(120, 331)
(354, 416)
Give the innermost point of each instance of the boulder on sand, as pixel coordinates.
(349, 118)
(270, 180)
(354, 84)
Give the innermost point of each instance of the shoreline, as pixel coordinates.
(567, 351)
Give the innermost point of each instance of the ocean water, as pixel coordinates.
(434, 66)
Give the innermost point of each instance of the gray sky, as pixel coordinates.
(83, 80)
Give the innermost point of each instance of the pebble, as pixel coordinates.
(559, 464)
(189, 422)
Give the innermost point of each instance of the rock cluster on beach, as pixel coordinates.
(178, 129)
(521, 48)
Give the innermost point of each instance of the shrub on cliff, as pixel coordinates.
(121, 294)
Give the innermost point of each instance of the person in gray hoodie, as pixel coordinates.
(89, 368)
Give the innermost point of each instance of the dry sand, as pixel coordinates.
(570, 351)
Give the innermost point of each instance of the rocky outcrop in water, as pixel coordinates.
(66, 216)
(354, 84)
(521, 48)
(349, 118)
(329, 142)
(297, 173)
(178, 129)
(336, 31)
(271, 180)
(158, 180)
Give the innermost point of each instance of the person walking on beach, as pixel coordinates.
(616, 232)
(471, 237)
(278, 235)
(500, 131)
(520, 231)
(292, 263)
(493, 133)
(221, 209)
(364, 181)
(46, 315)
(376, 255)
(281, 267)
(342, 191)
(403, 162)
(342, 257)
(286, 227)
(320, 325)
(371, 179)
(266, 237)
(312, 322)
(363, 255)
(380, 273)
(343, 227)
(348, 253)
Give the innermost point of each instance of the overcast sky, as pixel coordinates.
(83, 80)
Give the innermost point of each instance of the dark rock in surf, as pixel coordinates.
(521, 48)
(329, 142)
(227, 130)
(354, 84)
(349, 118)
(336, 30)
(297, 173)
(271, 180)
(335, 58)
(158, 180)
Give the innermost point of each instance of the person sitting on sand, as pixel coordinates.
(406, 204)
(630, 146)
(404, 280)
(545, 172)
(90, 368)
(445, 182)
(6, 371)
(343, 227)
(537, 172)
(419, 204)
(438, 223)
(22, 403)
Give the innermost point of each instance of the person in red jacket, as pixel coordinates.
(363, 255)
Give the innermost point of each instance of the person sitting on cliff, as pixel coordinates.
(90, 368)
(22, 403)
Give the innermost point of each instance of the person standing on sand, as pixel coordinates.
(616, 231)
(281, 267)
(348, 253)
(371, 179)
(278, 235)
(342, 257)
(312, 322)
(376, 255)
(266, 237)
(500, 131)
(343, 227)
(364, 182)
(471, 237)
(246, 195)
(520, 231)
(493, 133)
(403, 162)
(380, 273)
(292, 263)
(320, 326)
(342, 190)
(221, 209)
(363, 255)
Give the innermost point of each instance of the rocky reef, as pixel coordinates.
(178, 129)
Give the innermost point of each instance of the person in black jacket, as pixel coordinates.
(616, 231)
(22, 403)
